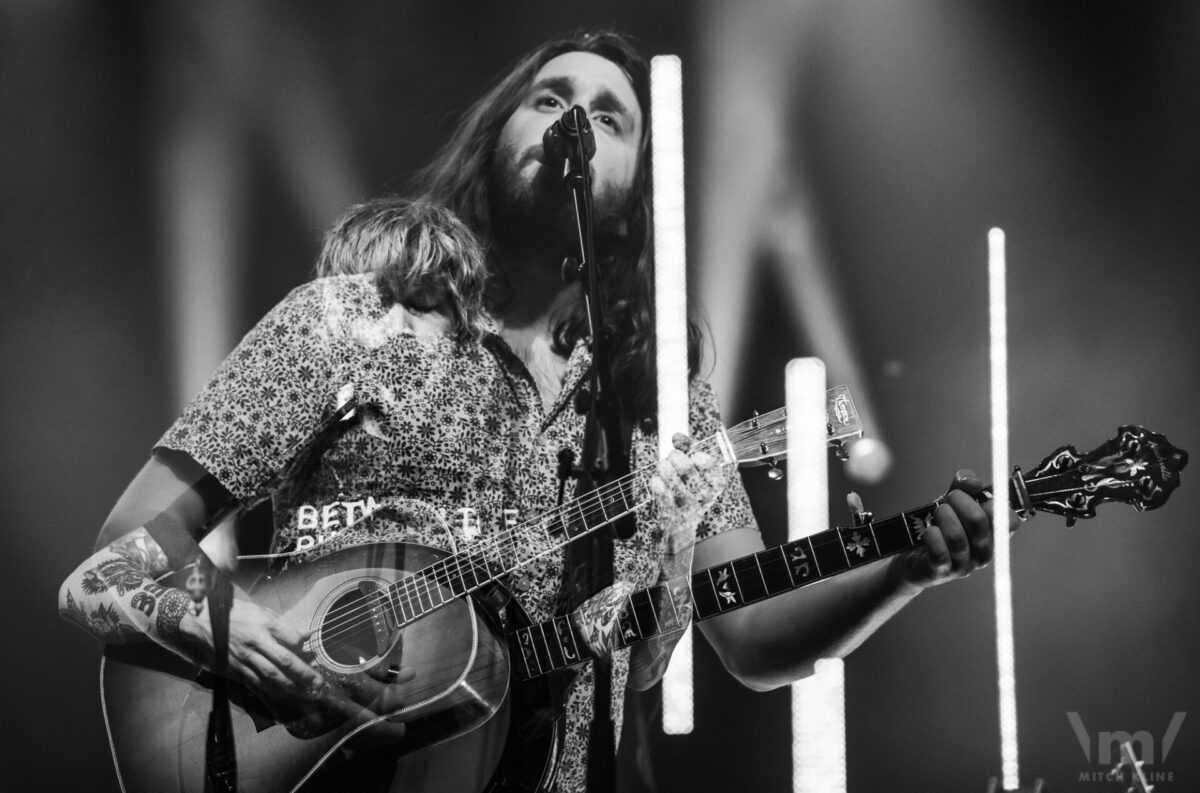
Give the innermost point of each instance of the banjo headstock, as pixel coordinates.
(1137, 467)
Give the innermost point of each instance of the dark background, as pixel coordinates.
(916, 125)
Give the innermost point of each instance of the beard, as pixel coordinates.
(536, 218)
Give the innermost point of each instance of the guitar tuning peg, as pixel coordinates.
(774, 472)
(1071, 521)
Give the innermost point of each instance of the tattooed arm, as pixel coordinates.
(114, 597)
(113, 594)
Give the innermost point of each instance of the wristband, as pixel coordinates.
(171, 608)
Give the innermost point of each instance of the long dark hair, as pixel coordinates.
(458, 178)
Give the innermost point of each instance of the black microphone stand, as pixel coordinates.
(605, 451)
(606, 440)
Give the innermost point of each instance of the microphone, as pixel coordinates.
(561, 138)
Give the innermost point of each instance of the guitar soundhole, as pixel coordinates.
(347, 633)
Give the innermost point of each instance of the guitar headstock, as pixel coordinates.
(1138, 467)
(762, 440)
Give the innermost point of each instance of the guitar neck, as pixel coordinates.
(669, 607)
(761, 440)
(511, 549)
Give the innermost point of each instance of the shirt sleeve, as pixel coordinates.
(263, 400)
(732, 510)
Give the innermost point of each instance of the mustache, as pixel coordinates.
(534, 153)
(537, 153)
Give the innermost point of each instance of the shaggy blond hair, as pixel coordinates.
(422, 255)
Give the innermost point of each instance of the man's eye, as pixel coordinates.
(609, 121)
(548, 101)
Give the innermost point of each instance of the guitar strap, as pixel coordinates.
(168, 529)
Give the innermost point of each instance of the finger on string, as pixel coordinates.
(683, 465)
(681, 442)
(709, 485)
(1014, 520)
(292, 668)
(673, 484)
(269, 675)
(978, 526)
(954, 535)
(286, 634)
(967, 481)
(937, 554)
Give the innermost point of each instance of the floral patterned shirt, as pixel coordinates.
(457, 426)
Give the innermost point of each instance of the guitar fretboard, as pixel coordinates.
(665, 608)
(408, 600)
(761, 440)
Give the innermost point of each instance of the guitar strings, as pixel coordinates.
(1042, 494)
(831, 532)
(432, 578)
(658, 629)
(429, 582)
(412, 587)
(441, 576)
(589, 506)
(438, 574)
(495, 662)
(689, 580)
(425, 581)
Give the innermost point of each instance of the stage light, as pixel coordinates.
(869, 461)
(1005, 662)
(670, 311)
(818, 702)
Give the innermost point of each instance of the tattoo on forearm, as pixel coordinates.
(125, 569)
(144, 602)
(73, 612)
(137, 558)
(118, 574)
(597, 619)
(104, 621)
(171, 608)
(142, 552)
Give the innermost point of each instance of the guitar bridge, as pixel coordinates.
(382, 624)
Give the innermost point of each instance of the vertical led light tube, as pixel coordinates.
(670, 311)
(818, 702)
(1005, 663)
